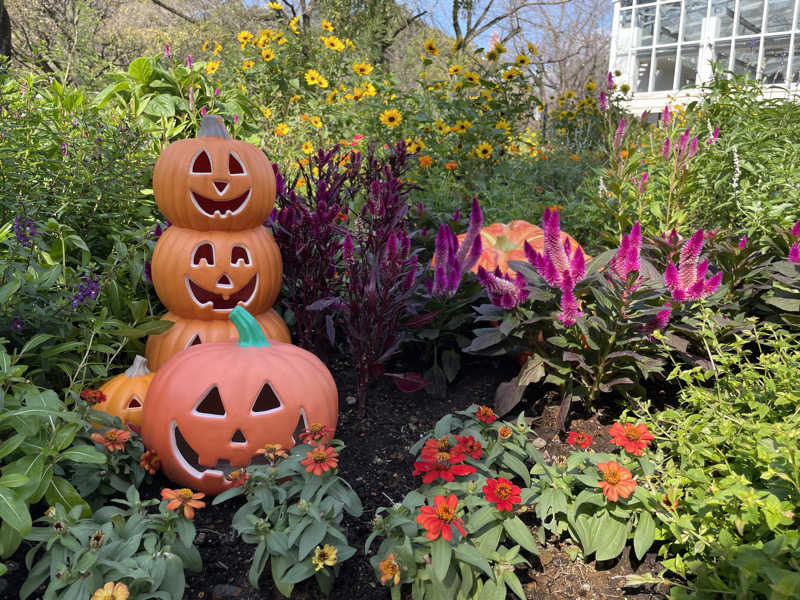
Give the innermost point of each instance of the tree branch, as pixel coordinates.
(174, 11)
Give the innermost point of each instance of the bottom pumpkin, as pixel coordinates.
(190, 332)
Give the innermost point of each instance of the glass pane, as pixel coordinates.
(642, 70)
(795, 75)
(626, 3)
(688, 72)
(693, 16)
(776, 53)
(665, 69)
(624, 30)
(669, 22)
(745, 57)
(624, 19)
(722, 54)
(645, 19)
(779, 15)
(750, 13)
(722, 11)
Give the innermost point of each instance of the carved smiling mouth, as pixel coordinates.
(223, 301)
(191, 462)
(223, 207)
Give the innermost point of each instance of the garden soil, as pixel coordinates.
(376, 462)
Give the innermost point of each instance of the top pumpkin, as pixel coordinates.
(502, 243)
(213, 182)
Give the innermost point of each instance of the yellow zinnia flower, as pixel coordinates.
(282, 129)
(316, 122)
(112, 591)
(391, 118)
(324, 556)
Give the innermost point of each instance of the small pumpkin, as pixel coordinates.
(505, 242)
(125, 394)
(211, 407)
(213, 182)
(190, 332)
(204, 274)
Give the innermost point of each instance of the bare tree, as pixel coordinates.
(5, 30)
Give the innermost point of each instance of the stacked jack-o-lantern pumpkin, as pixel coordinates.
(217, 193)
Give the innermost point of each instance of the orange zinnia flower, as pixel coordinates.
(504, 432)
(633, 438)
(185, 498)
(486, 415)
(150, 462)
(112, 591)
(438, 519)
(451, 165)
(113, 439)
(425, 161)
(617, 481)
(390, 570)
(320, 459)
(315, 433)
(272, 452)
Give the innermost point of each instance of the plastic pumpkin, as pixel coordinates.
(505, 242)
(205, 274)
(125, 394)
(213, 182)
(211, 407)
(190, 332)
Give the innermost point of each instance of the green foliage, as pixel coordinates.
(74, 556)
(290, 514)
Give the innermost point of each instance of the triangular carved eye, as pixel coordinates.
(234, 165)
(266, 400)
(194, 341)
(134, 403)
(203, 251)
(211, 404)
(300, 428)
(201, 163)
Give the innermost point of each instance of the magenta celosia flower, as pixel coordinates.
(665, 149)
(452, 259)
(503, 291)
(602, 102)
(569, 304)
(619, 135)
(687, 281)
(643, 116)
(794, 253)
(610, 83)
(713, 139)
(658, 322)
(626, 260)
(742, 242)
(693, 147)
(665, 116)
(643, 183)
(796, 229)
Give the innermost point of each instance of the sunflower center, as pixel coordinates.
(612, 477)
(444, 513)
(503, 490)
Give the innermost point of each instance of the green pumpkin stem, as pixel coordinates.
(250, 333)
(213, 126)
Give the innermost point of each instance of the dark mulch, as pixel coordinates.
(377, 464)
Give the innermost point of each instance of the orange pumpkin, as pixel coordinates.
(213, 182)
(125, 394)
(204, 274)
(502, 243)
(190, 332)
(211, 407)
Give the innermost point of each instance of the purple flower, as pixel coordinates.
(665, 116)
(742, 242)
(713, 139)
(643, 183)
(687, 281)
(796, 229)
(189, 62)
(167, 51)
(89, 288)
(610, 83)
(24, 230)
(503, 291)
(602, 102)
(626, 260)
(569, 304)
(619, 134)
(794, 253)
(658, 322)
(451, 259)
(665, 150)
(235, 118)
(17, 324)
(348, 250)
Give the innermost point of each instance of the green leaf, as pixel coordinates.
(311, 538)
(61, 492)
(470, 554)
(611, 537)
(516, 465)
(84, 454)
(644, 535)
(441, 553)
(36, 341)
(11, 444)
(14, 511)
(140, 70)
(13, 480)
(520, 533)
(160, 106)
(299, 572)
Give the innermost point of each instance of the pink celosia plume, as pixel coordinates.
(503, 291)
(688, 281)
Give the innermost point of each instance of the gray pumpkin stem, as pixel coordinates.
(213, 126)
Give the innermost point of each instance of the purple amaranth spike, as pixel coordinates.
(794, 253)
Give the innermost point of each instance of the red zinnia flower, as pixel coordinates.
(93, 396)
(502, 492)
(617, 481)
(435, 446)
(486, 415)
(113, 439)
(438, 519)
(150, 461)
(633, 438)
(584, 440)
(320, 459)
(315, 433)
(185, 498)
(238, 477)
(470, 445)
(444, 465)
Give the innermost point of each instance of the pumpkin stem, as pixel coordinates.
(138, 368)
(213, 126)
(250, 333)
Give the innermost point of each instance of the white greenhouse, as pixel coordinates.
(662, 46)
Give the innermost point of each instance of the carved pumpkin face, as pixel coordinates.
(190, 332)
(125, 394)
(211, 407)
(212, 182)
(205, 274)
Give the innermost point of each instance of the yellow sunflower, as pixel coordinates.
(327, 25)
(431, 48)
(391, 118)
(454, 70)
(267, 112)
(244, 37)
(275, 6)
(462, 126)
(442, 127)
(471, 77)
(532, 49)
(282, 129)
(316, 122)
(312, 77)
(362, 68)
(267, 54)
(212, 66)
(308, 147)
(484, 150)
(247, 64)
(522, 60)
(293, 25)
